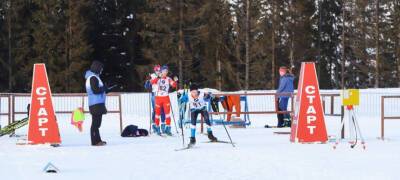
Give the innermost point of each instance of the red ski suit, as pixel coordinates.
(162, 98)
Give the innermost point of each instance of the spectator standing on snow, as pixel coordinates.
(96, 91)
(285, 86)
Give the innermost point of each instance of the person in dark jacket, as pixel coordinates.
(285, 86)
(96, 91)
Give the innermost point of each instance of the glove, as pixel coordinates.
(176, 78)
(184, 98)
(208, 96)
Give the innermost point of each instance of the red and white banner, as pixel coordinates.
(43, 126)
(308, 124)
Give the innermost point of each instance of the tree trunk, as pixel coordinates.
(273, 45)
(364, 39)
(291, 53)
(69, 45)
(398, 58)
(247, 44)
(377, 58)
(180, 46)
(343, 42)
(292, 23)
(219, 73)
(10, 81)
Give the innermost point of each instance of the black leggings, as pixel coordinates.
(204, 113)
(94, 129)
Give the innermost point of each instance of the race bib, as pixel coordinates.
(163, 87)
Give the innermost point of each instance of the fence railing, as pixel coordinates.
(383, 115)
(374, 103)
(9, 109)
(71, 102)
(275, 95)
(331, 98)
(331, 104)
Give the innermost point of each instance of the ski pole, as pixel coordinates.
(182, 111)
(173, 115)
(150, 111)
(181, 114)
(226, 130)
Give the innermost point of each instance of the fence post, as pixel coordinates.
(276, 103)
(341, 120)
(83, 103)
(292, 103)
(12, 109)
(9, 109)
(382, 117)
(120, 112)
(332, 104)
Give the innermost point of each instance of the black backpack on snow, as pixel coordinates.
(134, 131)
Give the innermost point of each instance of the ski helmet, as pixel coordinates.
(164, 67)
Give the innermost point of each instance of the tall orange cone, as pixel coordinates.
(43, 126)
(308, 124)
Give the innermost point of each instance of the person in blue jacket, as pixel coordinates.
(285, 86)
(96, 91)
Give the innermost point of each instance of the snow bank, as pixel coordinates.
(260, 154)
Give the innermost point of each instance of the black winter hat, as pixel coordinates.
(96, 67)
(193, 87)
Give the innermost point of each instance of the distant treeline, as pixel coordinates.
(223, 44)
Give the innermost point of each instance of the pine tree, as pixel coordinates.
(114, 38)
(390, 29)
(208, 40)
(395, 34)
(160, 34)
(300, 44)
(21, 45)
(78, 50)
(49, 21)
(328, 40)
(3, 45)
(358, 59)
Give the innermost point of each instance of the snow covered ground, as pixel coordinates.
(259, 154)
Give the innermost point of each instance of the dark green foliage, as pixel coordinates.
(130, 36)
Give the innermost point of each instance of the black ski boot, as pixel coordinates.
(192, 141)
(211, 137)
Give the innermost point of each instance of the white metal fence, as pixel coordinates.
(137, 104)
